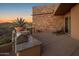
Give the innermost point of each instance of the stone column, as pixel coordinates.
(13, 40)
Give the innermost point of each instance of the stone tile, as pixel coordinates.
(75, 52)
(57, 45)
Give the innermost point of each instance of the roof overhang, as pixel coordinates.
(63, 8)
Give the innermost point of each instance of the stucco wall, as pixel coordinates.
(75, 22)
(47, 22)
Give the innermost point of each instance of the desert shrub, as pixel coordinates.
(5, 39)
(5, 34)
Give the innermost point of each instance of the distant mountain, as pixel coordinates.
(6, 23)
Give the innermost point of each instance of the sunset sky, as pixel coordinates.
(10, 11)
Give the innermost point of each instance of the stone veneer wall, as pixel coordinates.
(44, 19)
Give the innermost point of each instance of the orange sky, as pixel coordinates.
(10, 19)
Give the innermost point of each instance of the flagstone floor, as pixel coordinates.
(58, 44)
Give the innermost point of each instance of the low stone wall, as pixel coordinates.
(6, 48)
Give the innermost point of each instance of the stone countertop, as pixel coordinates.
(31, 43)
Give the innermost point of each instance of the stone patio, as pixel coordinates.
(58, 45)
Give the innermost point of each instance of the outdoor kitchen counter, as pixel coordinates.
(32, 47)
